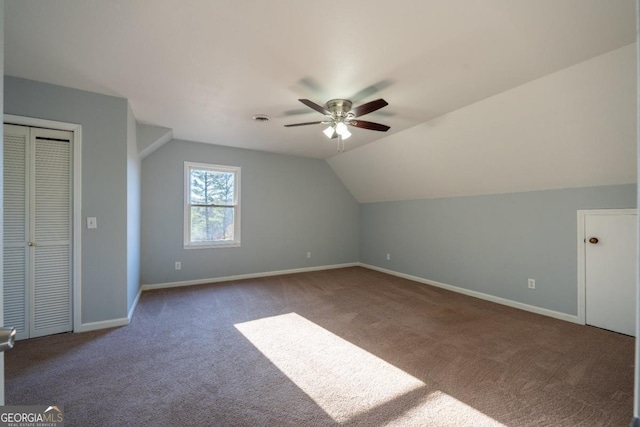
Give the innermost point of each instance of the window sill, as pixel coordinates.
(212, 245)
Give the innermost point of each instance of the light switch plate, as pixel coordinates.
(92, 222)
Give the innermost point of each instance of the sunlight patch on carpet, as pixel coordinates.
(347, 382)
(341, 378)
(442, 410)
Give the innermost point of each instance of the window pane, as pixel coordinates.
(215, 189)
(210, 224)
(210, 187)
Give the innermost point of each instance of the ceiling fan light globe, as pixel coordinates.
(345, 134)
(341, 128)
(329, 131)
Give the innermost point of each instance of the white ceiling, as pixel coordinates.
(204, 67)
(576, 127)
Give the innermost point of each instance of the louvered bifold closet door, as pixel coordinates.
(51, 232)
(15, 203)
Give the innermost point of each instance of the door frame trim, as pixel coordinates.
(77, 201)
(582, 278)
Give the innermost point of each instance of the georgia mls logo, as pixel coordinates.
(31, 416)
(56, 409)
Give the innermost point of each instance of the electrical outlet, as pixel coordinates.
(308, 254)
(178, 265)
(388, 257)
(92, 222)
(531, 283)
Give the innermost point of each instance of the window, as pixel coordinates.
(212, 206)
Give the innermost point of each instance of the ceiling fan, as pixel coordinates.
(340, 115)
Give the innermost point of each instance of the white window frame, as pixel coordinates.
(187, 243)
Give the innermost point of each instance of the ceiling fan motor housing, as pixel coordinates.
(339, 107)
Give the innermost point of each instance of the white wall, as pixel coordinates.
(572, 128)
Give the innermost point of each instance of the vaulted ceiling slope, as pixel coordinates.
(202, 68)
(573, 128)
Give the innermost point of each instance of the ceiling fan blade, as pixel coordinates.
(369, 107)
(302, 124)
(314, 106)
(370, 90)
(312, 85)
(296, 112)
(363, 124)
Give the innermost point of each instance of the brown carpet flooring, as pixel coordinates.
(339, 347)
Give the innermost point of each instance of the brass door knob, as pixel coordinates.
(593, 240)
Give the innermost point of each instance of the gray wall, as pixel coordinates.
(490, 244)
(133, 210)
(104, 184)
(289, 205)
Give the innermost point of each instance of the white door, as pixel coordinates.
(610, 271)
(37, 230)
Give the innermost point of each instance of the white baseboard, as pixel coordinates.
(134, 305)
(92, 326)
(526, 307)
(245, 276)
(476, 294)
(113, 323)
